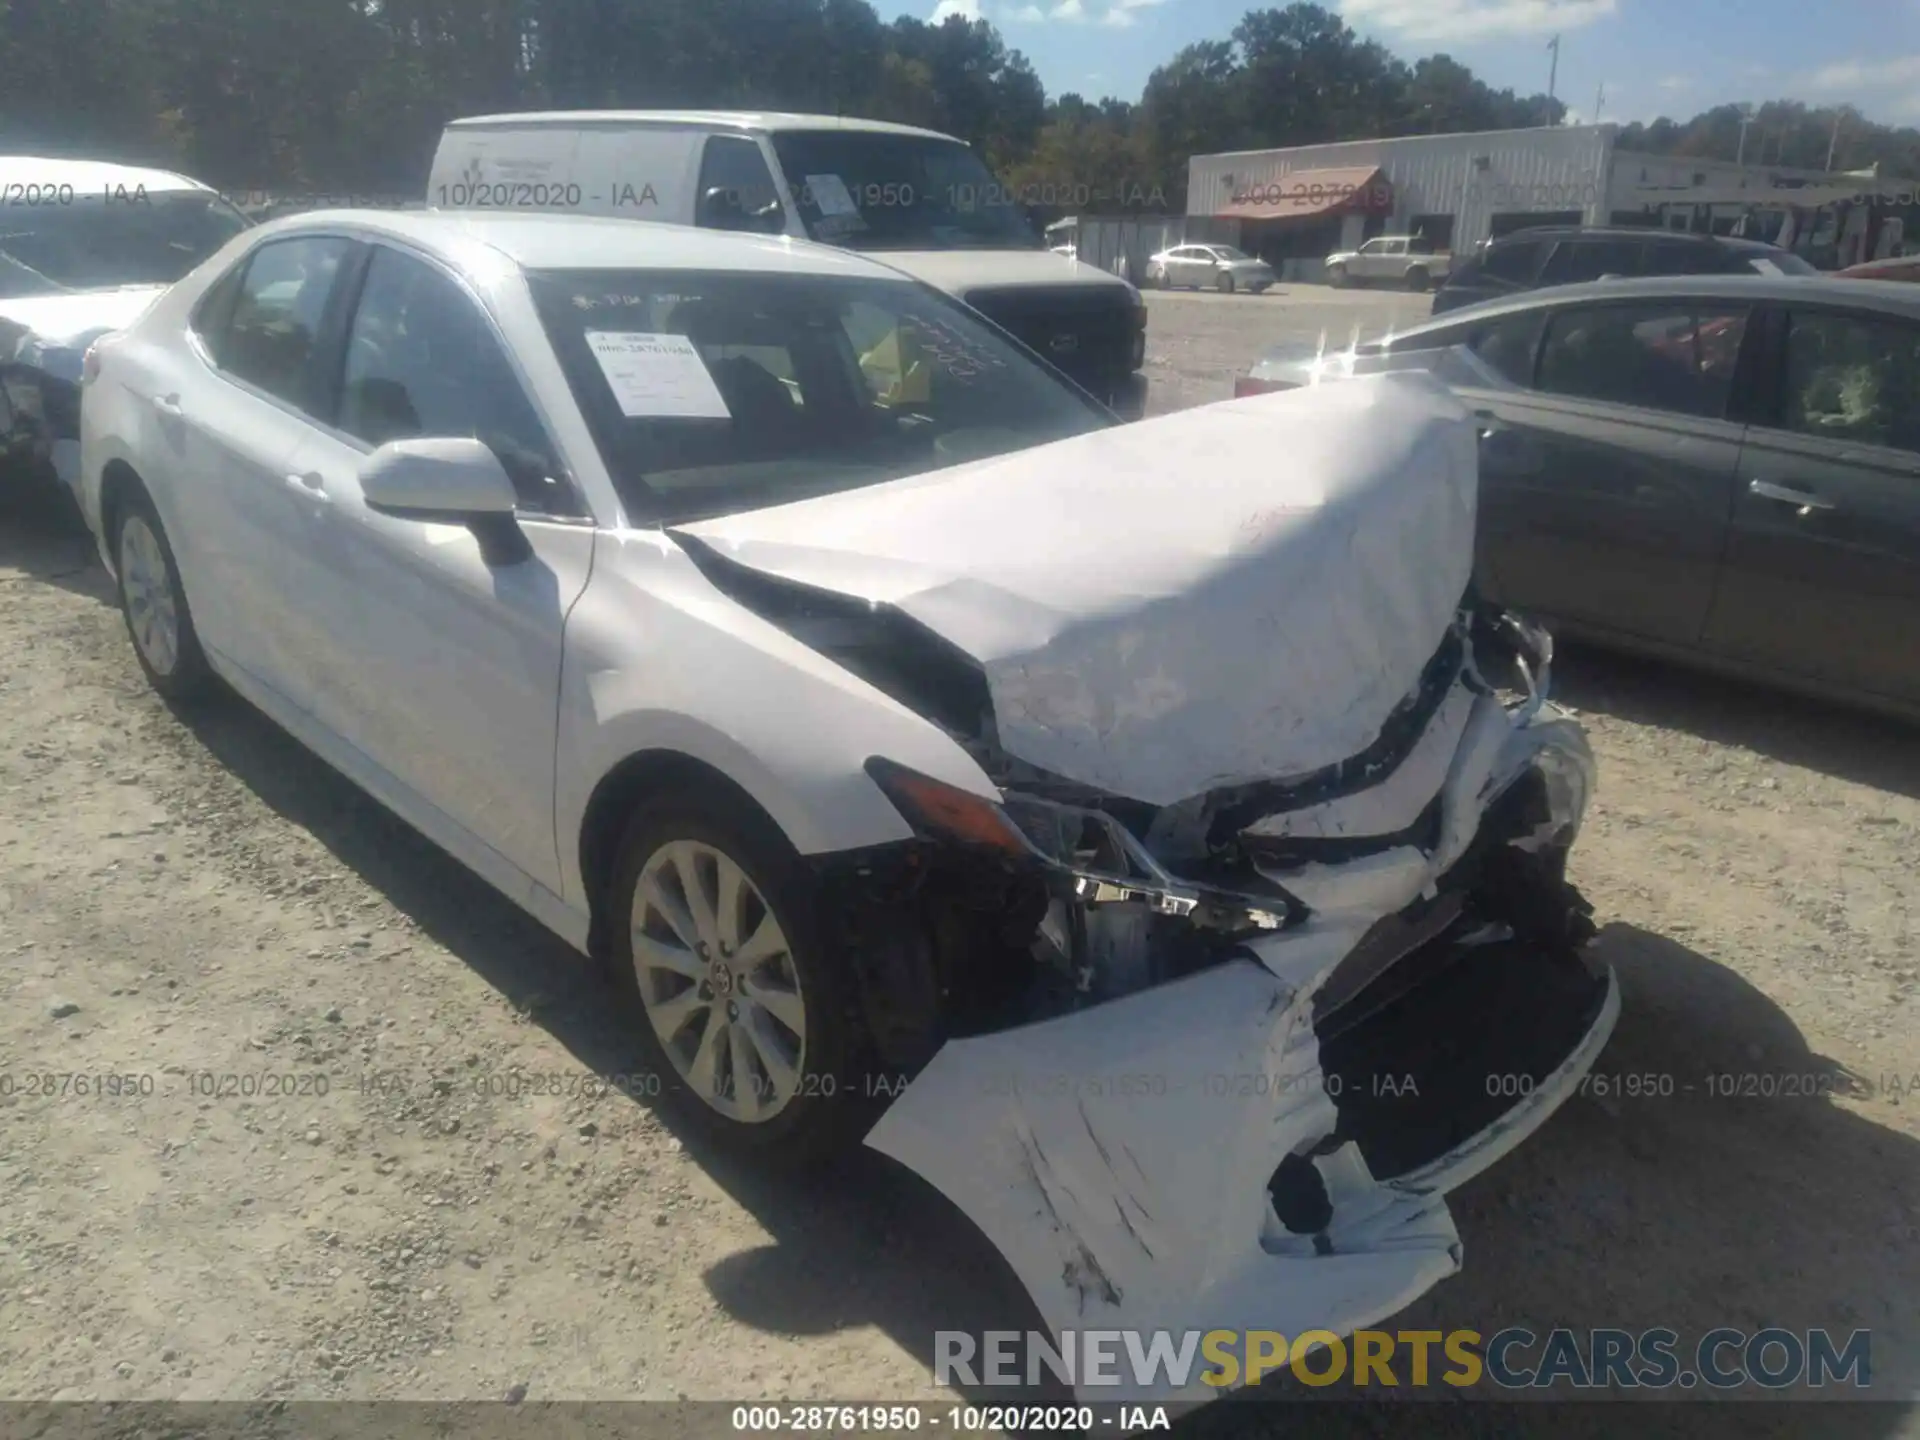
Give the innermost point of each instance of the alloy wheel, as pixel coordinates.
(718, 981)
(153, 611)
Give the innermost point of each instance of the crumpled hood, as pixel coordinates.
(1239, 592)
(52, 332)
(958, 271)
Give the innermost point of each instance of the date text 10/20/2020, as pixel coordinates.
(952, 1419)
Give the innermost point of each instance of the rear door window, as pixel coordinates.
(1678, 358)
(1574, 261)
(1667, 257)
(268, 341)
(1509, 344)
(1512, 264)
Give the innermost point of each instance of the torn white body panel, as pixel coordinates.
(1152, 605)
(1120, 1157)
(1079, 1148)
(1088, 1184)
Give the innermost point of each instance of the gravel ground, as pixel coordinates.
(184, 900)
(1198, 340)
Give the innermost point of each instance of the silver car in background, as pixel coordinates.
(85, 248)
(1211, 267)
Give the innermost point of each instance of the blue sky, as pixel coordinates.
(1653, 57)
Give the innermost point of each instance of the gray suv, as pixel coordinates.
(1570, 254)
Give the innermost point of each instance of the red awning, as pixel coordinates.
(1310, 195)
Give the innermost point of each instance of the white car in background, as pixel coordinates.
(1409, 261)
(1104, 807)
(1209, 267)
(85, 247)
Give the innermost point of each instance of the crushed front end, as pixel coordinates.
(1215, 1064)
(1255, 937)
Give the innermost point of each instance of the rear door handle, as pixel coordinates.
(168, 405)
(1787, 495)
(1489, 423)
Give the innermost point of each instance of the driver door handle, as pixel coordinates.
(168, 405)
(1786, 495)
(312, 485)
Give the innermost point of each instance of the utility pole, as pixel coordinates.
(1599, 100)
(1553, 72)
(1834, 142)
(1746, 119)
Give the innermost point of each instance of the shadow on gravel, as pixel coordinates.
(1681, 1207)
(43, 537)
(1846, 744)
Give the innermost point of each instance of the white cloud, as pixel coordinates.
(1676, 82)
(965, 9)
(1866, 74)
(1474, 19)
(1118, 15)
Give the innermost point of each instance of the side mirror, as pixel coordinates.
(455, 481)
(721, 208)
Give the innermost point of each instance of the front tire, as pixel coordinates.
(1337, 276)
(154, 604)
(1418, 280)
(1225, 282)
(751, 1025)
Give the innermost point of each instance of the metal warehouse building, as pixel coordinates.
(1294, 207)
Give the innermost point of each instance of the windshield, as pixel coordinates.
(873, 191)
(710, 394)
(101, 243)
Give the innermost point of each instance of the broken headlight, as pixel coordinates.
(939, 811)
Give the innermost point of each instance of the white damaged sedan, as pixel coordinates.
(1141, 832)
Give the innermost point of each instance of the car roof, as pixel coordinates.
(769, 120)
(538, 241)
(1889, 262)
(89, 177)
(1893, 296)
(1621, 232)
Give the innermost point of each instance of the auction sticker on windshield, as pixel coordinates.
(655, 375)
(830, 193)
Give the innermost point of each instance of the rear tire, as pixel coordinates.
(153, 603)
(752, 1027)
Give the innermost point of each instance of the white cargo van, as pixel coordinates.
(915, 199)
